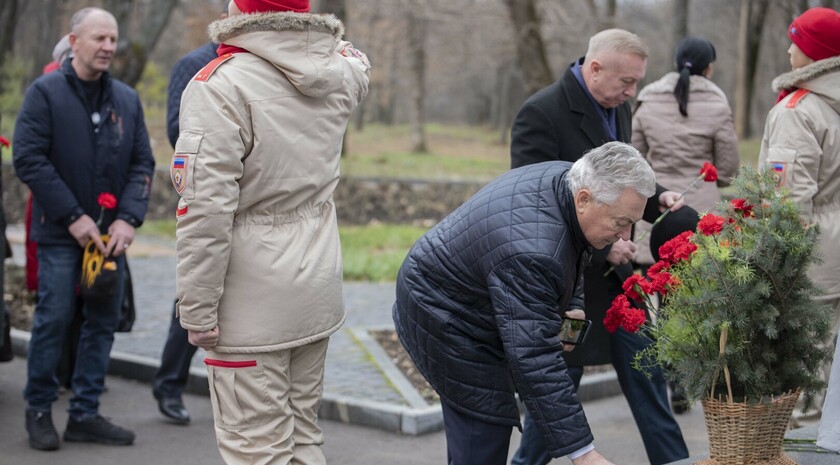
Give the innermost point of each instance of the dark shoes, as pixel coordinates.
(42, 434)
(173, 408)
(97, 429)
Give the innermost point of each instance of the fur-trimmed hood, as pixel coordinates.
(665, 87)
(224, 29)
(301, 45)
(820, 77)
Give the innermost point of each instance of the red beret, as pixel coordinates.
(264, 6)
(817, 33)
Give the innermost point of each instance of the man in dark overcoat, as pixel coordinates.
(586, 108)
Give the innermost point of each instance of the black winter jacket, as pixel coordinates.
(480, 298)
(182, 73)
(67, 161)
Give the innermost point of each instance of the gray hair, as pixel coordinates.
(608, 170)
(79, 17)
(616, 40)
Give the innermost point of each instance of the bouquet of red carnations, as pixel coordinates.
(734, 309)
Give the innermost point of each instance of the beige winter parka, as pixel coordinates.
(256, 164)
(801, 144)
(676, 146)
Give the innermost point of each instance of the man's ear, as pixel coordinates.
(595, 67)
(582, 200)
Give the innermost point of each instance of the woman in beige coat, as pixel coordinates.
(681, 121)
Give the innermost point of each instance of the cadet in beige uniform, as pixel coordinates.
(801, 143)
(259, 261)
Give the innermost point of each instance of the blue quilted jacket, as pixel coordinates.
(480, 298)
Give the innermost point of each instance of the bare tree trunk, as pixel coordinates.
(134, 49)
(753, 15)
(417, 53)
(9, 14)
(530, 50)
(680, 21)
(47, 14)
(607, 20)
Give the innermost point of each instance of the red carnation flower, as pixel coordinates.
(678, 248)
(662, 282)
(107, 200)
(657, 267)
(5, 142)
(630, 286)
(633, 320)
(620, 314)
(711, 224)
(709, 172)
(613, 318)
(741, 205)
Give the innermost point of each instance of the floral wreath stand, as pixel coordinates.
(746, 434)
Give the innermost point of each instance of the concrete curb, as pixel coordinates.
(416, 418)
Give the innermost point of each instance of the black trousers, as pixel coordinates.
(473, 442)
(174, 372)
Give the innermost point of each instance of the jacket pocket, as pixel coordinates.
(240, 389)
(182, 167)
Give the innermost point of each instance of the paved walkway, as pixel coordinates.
(356, 387)
(361, 388)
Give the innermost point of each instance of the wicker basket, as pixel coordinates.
(742, 434)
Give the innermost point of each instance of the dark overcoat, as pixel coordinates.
(560, 123)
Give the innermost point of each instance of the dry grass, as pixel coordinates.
(455, 152)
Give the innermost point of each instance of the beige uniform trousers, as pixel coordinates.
(265, 405)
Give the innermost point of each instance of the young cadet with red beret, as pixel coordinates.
(801, 142)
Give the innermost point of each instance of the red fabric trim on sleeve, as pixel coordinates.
(229, 364)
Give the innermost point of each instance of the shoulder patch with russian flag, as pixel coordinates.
(211, 67)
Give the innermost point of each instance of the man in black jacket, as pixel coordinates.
(79, 134)
(481, 296)
(584, 109)
(174, 371)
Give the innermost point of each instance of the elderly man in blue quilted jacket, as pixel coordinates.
(481, 297)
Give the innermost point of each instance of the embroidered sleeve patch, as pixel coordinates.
(779, 169)
(178, 172)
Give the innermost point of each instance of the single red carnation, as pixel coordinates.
(662, 282)
(677, 249)
(107, 200)
(709, 172)
(741, 205)
(633, 319)
(658, 267)
(634, 284)
(5, 142)
(711, 224)
(613, 318)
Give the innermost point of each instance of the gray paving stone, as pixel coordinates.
(357, 388)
